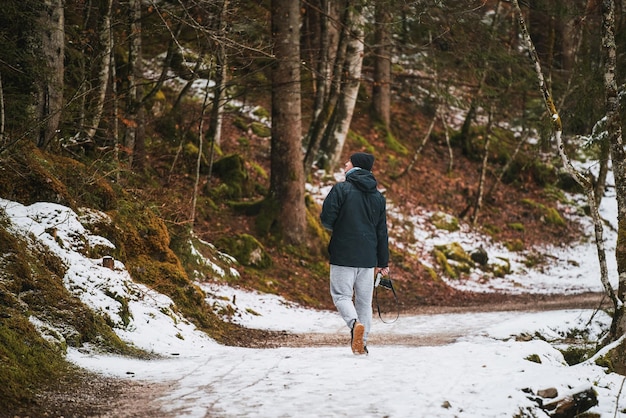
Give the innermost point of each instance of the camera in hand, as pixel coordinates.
(382, 281)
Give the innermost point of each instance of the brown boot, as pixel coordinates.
(357, 338)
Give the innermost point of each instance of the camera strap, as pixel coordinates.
(388, 285)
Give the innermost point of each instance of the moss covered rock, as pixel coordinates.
(246, 249)
(445, 221)
(453, 259)
(454, 251)
(235, 180)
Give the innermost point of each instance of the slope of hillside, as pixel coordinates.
(514, 215)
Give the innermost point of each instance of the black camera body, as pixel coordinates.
(382, 281)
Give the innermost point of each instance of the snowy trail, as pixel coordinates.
(481, 373)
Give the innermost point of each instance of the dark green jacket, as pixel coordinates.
(355, 212)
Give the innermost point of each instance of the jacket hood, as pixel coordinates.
(363, 180)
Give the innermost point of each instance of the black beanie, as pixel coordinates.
(363, 160)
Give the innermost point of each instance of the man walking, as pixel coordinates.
(355, 212)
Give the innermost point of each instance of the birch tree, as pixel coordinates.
(583, 180)
(337, 130)
(618, 159)
(321, 59)
(104, 67)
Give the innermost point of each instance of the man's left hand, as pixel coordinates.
(384, 271)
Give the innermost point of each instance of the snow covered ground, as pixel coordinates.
(483, 373)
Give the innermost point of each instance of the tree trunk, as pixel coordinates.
(483, 172)
(602, 172)
(327, 85)
(106, 40)
(1, 115)
(286, 195)
(466, 139)
(381, 90)
(219, 92)
(50, 88)
(337, 130)
(618, 158)
(134, 138)
(196, 183)
(584, 182)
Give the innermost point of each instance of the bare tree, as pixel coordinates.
(583, 180)
(618, 158)
(478, 204)
(192, 217)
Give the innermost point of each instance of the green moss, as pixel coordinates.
(555, 194)
(137, 231)
(534, 259)
(390, 140)
(527, 165)
(246, 249)
(243, 141)
(444, 221)
(501, 269)
(454, 251)
(27, 361)
(231, 170)
(319, 236)
(552, 216)
(31, 285)
(516, 226)
(534, 358)
(241, 123)
(267, 219)
(442, 260)
(492, 230)
(124, 312)
(259, 170)
(549, 215)
(605, 361)
(361, 142)
(574, 355)
(201, 259)
(261, 112)
(247, 208)
(260, 129)
(431, 272)
(31, 175)
(515, 245)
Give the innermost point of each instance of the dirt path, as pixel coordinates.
(86, 394)
(500, 303)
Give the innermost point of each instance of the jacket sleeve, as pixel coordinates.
(331, 208)
(382, 250)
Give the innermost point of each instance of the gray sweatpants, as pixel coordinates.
(347, 283)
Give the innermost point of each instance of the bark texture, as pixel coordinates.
(50, 88)
(287, 173)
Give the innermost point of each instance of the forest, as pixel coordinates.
(207, 121)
